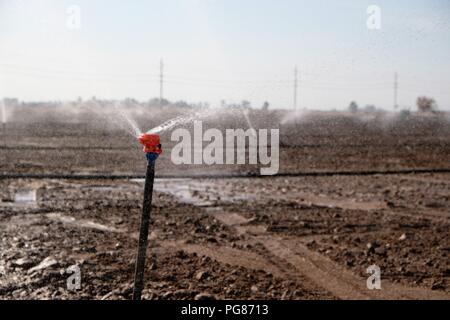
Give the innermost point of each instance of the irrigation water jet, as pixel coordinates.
(4, 133)
(119, 117)
(184, 119)
(3, 122)
(152, 149)
(4, 128)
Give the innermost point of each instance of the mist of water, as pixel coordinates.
(121, 117)
(250, 125)
(185, 119)
(293, 116)
(171, 123)
(4, 119)
(130, 122)
(180, 120)
(118, 116)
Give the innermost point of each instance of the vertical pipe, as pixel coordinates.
(143, 234)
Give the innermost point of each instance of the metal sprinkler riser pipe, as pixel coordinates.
(152, 149)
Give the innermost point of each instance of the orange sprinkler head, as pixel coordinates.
(151, 142)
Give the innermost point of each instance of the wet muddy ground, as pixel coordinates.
(273, 238)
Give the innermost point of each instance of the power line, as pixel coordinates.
(44, 72)
(322, 85)
(186, 80)
(19, 68)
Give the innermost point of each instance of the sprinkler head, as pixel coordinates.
(152, 146)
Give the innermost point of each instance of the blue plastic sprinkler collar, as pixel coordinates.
(151, 157)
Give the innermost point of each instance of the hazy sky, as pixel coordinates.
(226, 49)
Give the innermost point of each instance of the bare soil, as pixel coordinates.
(306, 237)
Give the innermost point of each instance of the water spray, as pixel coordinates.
(177, 121)
(2, 103)
(152, 149)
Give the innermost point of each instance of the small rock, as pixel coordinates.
(205, 296)
(206, 259)
(350, 263)
(184, 293)
(380, 251)
(311, 243)
(370, 248)
(107, 296)
(254, 289)
(212, 240)
(402, 237)
(23, 262)
(437, 286)
(201, 275)
(46, 263)
(181, 254)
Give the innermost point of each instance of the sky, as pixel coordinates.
(229, 50)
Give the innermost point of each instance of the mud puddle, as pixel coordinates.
(22, 198)
(199, 193)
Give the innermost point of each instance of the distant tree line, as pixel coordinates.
(424, 104)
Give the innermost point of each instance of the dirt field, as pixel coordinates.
(310, 234)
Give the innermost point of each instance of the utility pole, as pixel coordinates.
(295, 87)
(395, 90)
(161, 81)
